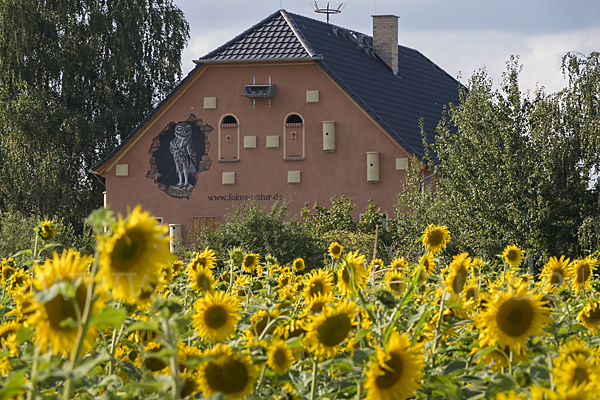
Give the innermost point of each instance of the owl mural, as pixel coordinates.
(178, 154)
(184, 154)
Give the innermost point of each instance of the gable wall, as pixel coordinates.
(264, 171)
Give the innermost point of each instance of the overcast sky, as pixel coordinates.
(460, 36)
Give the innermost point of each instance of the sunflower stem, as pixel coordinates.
(511, 360)
(313, 387)
(359, 389)
(262, 376)
(32, 395)
(174, 367)
(438, 333)
(113, 347)
(230, 288)
(83, 325)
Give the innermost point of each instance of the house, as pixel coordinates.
(292, 108)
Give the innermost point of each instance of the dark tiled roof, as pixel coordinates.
(273, 37)
(398, 103)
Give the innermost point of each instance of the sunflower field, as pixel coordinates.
(133, 321)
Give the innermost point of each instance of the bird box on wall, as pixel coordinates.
(329, 136)
(373, 166)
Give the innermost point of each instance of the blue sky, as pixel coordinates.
(460, 36)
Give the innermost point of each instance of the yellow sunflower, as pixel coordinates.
(134, 254)
(399, 263)
(316, 303)
(52, 312)
(317, 282)
(556, 273)
(581, 272)
(327, 331)
(231, 373)
(512, 255)
(147, 361)
(458, 273)
(46, 230)
(250, 262)
(511, 317)
(216, 316)
(354, 261)
(590, 315)
(428, 263)
(176, 266)
(280, 356)
(435, 238)
(571, 350)
(377, 264)
(577, 371)
(396, 281)
(19, 281)
(397, 372)
(298, 264)
(236, 255)
(206, 259)
(202, 279)
(335, 250)
(290, 328)
(259, 322)
(7, 271)
(285, 278)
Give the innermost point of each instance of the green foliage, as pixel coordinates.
(516, 167)
(264, 231)
(336, 224)
(75, 78)
(17, 232)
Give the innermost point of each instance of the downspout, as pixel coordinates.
(424, 179)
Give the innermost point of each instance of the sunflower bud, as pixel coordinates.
(386, 298)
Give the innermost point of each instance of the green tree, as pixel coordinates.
(516, 168)
(75, 78)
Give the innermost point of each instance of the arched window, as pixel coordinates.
(229, 122)
(293, 121)
(229, 133)
(293, 138)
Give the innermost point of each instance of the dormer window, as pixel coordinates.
(229, 122)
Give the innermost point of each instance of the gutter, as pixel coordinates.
(249, 60)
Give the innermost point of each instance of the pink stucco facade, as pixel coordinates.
(261, 172)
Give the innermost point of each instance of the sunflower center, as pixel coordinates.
(200, 262)
(226, 375)
(459, 279)
(215, 317)
(249, 261)
(335, 250)
(391, 375)
(398, 286)
(583, 273)
(515, 317)
(154, 364)
(60, 309)
(316, 287)
(346, 275)
(261, 325)
(558, 278)
(317, 307)
(203, 282)
(280, 358)
(436, 238)
(592, 316)
(512, 255)
(128, 249)
(471, 294)
(580, 375)
(334, 330)
(189, 387)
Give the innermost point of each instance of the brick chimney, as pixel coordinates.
(385, 39)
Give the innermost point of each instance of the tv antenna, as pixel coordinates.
(330, 8)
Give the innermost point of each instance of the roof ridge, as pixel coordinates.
(241, 35)
(311, 52)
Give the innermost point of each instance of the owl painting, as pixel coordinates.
(183, 152)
